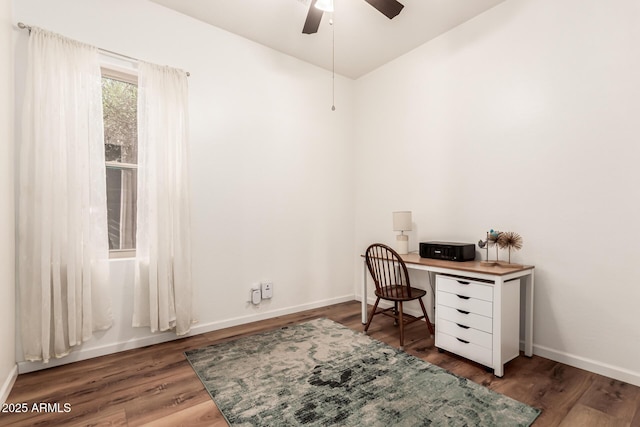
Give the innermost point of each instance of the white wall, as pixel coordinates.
(272, 179)
(524, 119)
(7, 232)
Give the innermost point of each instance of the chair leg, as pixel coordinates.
(426, 318)
(373, 311)
(395, 311)
(401, 320)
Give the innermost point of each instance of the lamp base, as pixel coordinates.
(402, 244)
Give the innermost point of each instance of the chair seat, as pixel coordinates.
(399, 293)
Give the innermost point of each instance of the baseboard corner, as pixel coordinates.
(7, 385)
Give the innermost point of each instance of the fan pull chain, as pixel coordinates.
(333, 65)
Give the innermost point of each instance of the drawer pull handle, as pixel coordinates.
(462, 341)
(463, 326)
(462, 311)
(462, 296)
(462, 282)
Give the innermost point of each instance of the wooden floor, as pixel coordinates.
(156, 386)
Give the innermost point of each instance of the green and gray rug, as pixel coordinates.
(320, 373)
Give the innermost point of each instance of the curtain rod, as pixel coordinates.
(23, 26)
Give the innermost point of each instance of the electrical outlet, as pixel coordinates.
(267, 290)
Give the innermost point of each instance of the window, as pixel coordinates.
(119, 103)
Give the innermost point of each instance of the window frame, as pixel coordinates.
(114, 72)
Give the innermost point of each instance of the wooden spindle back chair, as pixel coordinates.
(391, 279)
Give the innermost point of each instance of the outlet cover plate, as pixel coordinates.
(267, 289)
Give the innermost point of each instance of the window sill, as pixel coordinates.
(122, 254)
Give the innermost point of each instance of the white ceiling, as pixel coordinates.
(364, 38)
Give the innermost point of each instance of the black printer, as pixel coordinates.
(450, 251)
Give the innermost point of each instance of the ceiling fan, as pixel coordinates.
(389, 8)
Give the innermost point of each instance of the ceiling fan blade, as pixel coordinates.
(312, 22)
(389, 8)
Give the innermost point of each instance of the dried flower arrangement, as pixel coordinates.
(501, 240)
(510, 240)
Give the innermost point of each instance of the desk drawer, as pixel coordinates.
(465, 349)
(464, 303)
(458, 330)
(482, 323)
(465, 287)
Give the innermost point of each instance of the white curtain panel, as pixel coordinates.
(163, 288)
(63, 249)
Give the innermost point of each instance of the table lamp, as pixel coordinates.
(402, 223)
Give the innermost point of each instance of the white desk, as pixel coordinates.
(498, 275)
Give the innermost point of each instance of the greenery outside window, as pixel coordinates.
(119, 103)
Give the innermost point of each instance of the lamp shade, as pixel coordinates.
(402, 221)
(325, 5)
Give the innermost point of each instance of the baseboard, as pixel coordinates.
(76, 356)
(214, 326)
(84, 354)
(590, 365)
(8, 384)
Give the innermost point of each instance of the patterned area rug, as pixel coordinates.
(321, 373)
